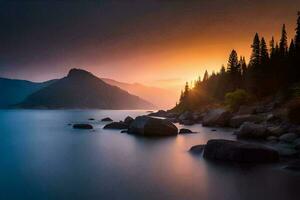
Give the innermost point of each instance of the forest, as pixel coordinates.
(273, 70)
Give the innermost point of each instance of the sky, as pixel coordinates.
(159, 43)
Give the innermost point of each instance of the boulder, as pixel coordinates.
(216, 117)
(288, 137)
(197, 149)
(272, 138)
(186, 122)
(148, 126)
(106, 119)
(297, 144)
(160, 113)
(238, 120)
(249, 130)
(275, 130)
(235, 151)
(91, 119)
(128, 120)
(185, 131)
(246, 110)
(116, 125)
(82, 126)
(286, 150)
(187, 115)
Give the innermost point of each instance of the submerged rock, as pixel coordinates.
(116, 125)
(82, 126)
(185, 131)
(228, 150)
(91, 119)
(106, 119)
(148, 126)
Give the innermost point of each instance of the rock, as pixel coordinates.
(91, 119)
(128, 120)
(116, 125)
(288, 137)
(249, 130)
(82, 126)
(185, 131)
(246, 110)
(235, 151)
(148, 126)
(124, 131)
(197, 149)
(214, 130)
(285, 150)
(274, 119)
(295, 166)
(297, 144)
(238, 120)
(160, 113)
(275, 130)
(187, 115)
(106, 119)
(272, 138)
(216, 117)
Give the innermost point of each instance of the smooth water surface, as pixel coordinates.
(42, 157)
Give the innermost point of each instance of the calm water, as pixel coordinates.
(41, 157)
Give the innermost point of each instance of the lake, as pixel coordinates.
(42, 157)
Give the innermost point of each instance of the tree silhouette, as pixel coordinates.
(264, 55)
(297, 36)
(255, 56)
(283, 46)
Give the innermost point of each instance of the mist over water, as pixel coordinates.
(42, 157)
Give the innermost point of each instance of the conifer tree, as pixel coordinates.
(264, 55)
(205, 77)
(255, 56)
(233, 63)
(283, 42)
(272, 48)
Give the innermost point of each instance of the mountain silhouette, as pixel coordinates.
(162, 98)
(15, 91)
(81, 89)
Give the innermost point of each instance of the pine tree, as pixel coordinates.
(205, 77)
(264, 55)
(233, 63)
(255, 56)
(243, 65)
(292, 48)
(283, 46)
(297, 37)
(223, 70)
(272, 48)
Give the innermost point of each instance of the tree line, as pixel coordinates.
(273, 68)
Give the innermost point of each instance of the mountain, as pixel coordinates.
(81, 89)
(15, 91)
(162, 98)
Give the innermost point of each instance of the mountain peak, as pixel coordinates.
(75, 72)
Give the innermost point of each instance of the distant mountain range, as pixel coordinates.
(162, 98)
(81, 89)
(15, 91)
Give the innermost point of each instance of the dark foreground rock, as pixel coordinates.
(216, 117)
(82, 126)
(148, 126)
(185, 131)
(235, 151)
(238, 120)
(106, 119)
(116, 125)
(295, 165)
(197, 149)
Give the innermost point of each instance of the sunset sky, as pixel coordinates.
(159, 43)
